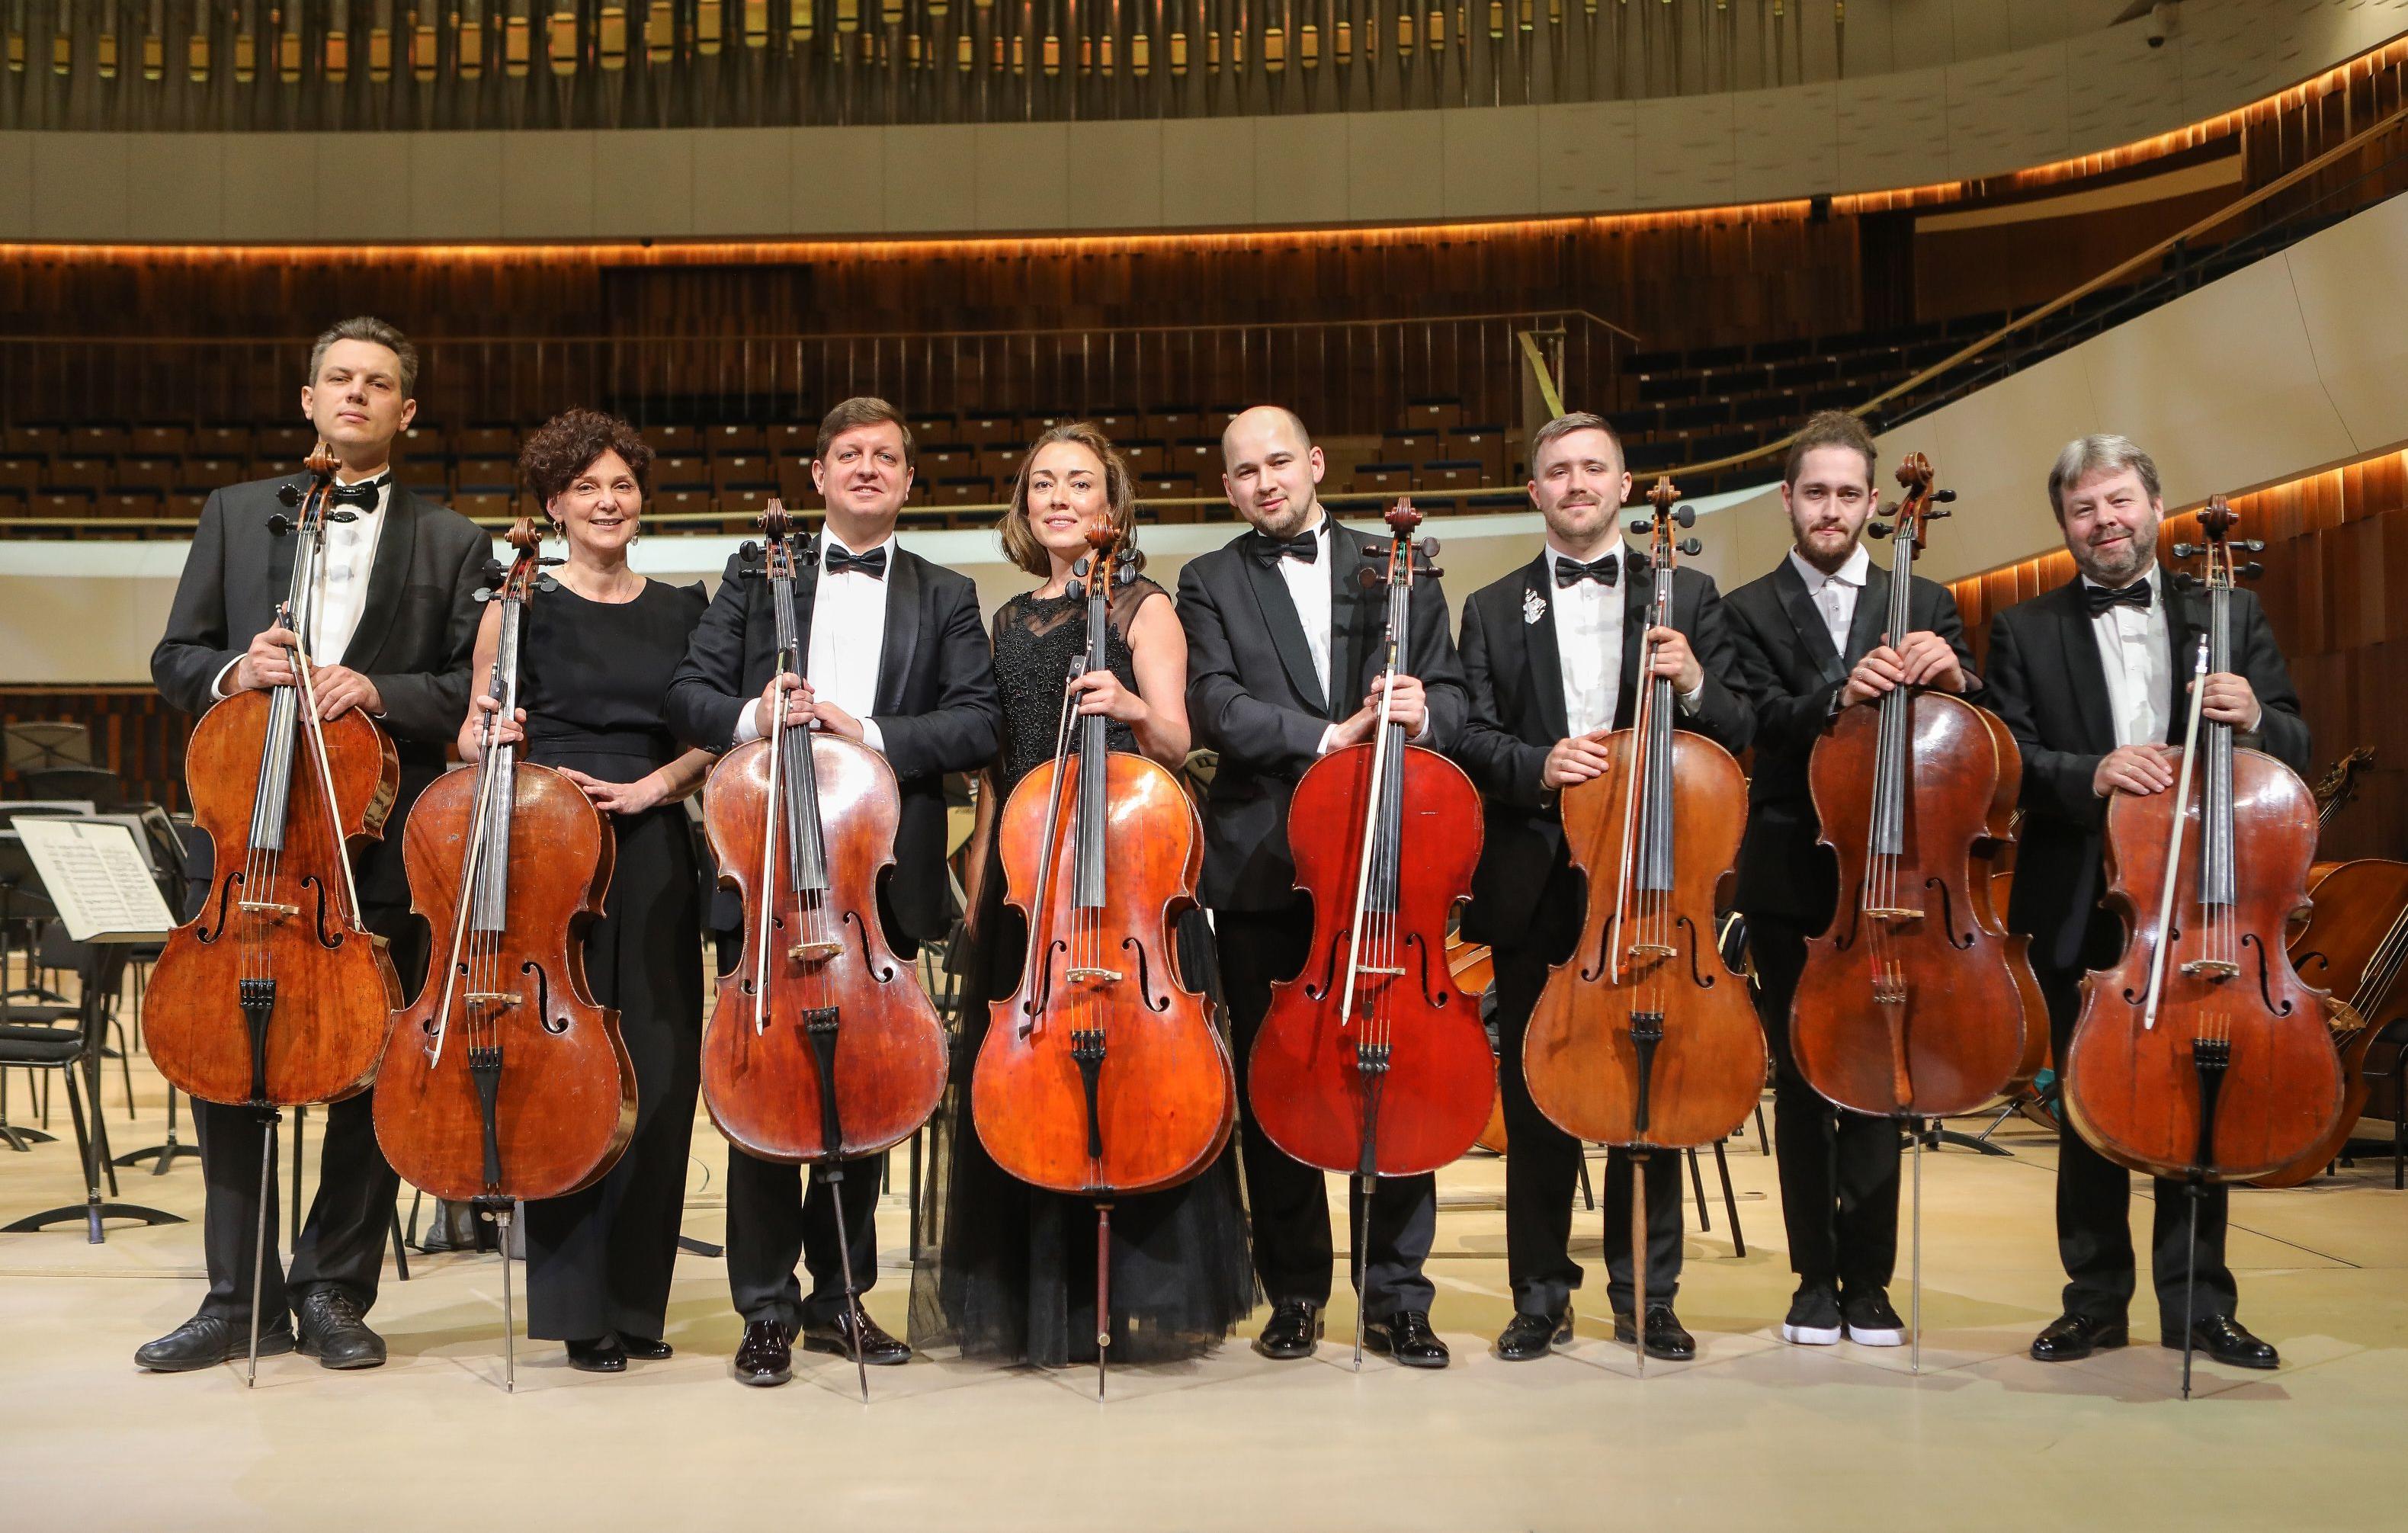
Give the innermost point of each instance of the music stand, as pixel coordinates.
(99, 784)
(21, 897)
(39, 747)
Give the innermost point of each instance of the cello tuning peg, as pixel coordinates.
(1687, 516)
(1641, 526)
(749, 552)
(1430, 547)
(289, 493)
(545, 582)
(1691, 547)
(1367, 579)
(1375, 550)
(1433, 572)
(1943, 496)
(547, 561)
(2185, 579)
(494, 572)
(2251, 571)
(280, 525)
(484, 595)
(2184, 550)
(2255, 545)
(1878, 529)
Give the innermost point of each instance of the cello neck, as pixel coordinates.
(269, 805)
(2217, 848)
(1088, 846)
(1657, 710)
(797, 792)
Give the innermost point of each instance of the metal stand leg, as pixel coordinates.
(1588, 1193)
(1730, 1202)
(91, 1147)
(164, 1154)
(400, 1247)
(1697, 1186)
(1763, 1141)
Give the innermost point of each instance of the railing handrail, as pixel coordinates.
(2112, 275)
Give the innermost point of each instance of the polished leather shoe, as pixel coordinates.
(2227, 1341)
(1528, 1337)
(1406, 1337)
(603, 1355)
(333, 1332)
(1665, 1338)
(1293, 1326)
(645, 1347)
(2071, 1337)
(877, 1348)
(765, 1356)
(206, 1340)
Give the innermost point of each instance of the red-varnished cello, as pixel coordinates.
(277, 994)
(1102, 1073)
(821, 1046)
(1371, 1061)
(504, 1081)
(1645, 1037)
(2201, 1056)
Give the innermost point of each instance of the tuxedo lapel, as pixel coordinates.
(280, 551)
(396, 547)
(1542, 650)
(1281, 622)
(1871, 618)
(1813, 638)
(2084, 673)
(763, 618)
(1638, 601)
(2187, 622)
(902, 630)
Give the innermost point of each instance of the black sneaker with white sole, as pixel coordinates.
(1814, 1317)
(1871, 1321)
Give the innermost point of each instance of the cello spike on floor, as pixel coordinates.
(1915, 1288)
(259, 1244)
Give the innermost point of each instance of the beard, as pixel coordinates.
(2118, 564)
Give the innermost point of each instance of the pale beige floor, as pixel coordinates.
(1754, 1435)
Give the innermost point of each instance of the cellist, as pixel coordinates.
(389, 633)
(897, 659)
(1282, 644)
(1550, 656)
(2118, 635)
(1811, 644)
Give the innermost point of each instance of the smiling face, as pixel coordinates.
(356, 402)
(864, 477)
(1578, 485)
(2111, 525)
(1270, 472)
(1827, 505)
(1067, 495)
(598, 509)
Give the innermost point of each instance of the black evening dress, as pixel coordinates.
(592, 676)
(1013, 1278)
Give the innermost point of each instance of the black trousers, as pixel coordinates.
(772, 1223)
(342, 1239)
(1542, 1170)
(2094, 1198)
(1288, 1200)
(1838, 1169)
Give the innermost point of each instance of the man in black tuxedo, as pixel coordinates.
(1551, 658)
(1284, 643)
(391, 625)
(2093, 679)
(895, 657)
(1812, 641)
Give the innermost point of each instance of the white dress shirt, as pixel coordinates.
(1308, 588)
(1588, 641)
(1835, 594)
(2133, 652)
(339, 597)
(848, 641)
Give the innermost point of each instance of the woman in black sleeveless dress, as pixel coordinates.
(1013, 1278)
(595, 657)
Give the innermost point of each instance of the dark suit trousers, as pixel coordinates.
(1542, 1170)
(342, 1239)
(1839, 1170)
(2094, 1198)
(1288, 1199)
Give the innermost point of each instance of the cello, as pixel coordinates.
(2201, 1056)
(2355, 941)
(1372, 1061)
(821, 1046)
(504, 1081)
(1916, 1004)
(277, 994)
(1102, 1073)
(1646, 1036)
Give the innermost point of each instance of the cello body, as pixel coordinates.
(2354, 944)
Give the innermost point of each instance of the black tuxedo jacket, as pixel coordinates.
(415, 638)
(1251, 694)
(937, 709)
(2048, 683)
(1514, 671)
(1785, 652)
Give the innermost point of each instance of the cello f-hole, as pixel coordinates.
(1948, 915)
(861, 933)
(1145, 987)
(2265, 979)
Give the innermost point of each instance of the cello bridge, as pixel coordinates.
(1379, 971)
(2212, 969)
(1892, 912)
(499, 999)
(814, 953)
(269, 907)
(1652, 952)
(1082, 974)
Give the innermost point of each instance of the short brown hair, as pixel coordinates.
(2086, 455)
(1564, 425)
(1020, 544)
(368, 327)
(864, 410)
(1831, 428)
(567, 445)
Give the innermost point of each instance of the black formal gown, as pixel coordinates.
(592, 677)
(1014, 1279)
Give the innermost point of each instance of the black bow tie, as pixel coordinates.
(1305, 547)
(361, 496)
(1571, 572)
(836, 561)
(2106, 598)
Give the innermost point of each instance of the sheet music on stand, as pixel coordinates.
(97, 876)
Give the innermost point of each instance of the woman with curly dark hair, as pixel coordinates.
(594, 658)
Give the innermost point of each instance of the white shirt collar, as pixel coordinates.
(1612, 550)
(1851, 573)
(2149, 575)
(830, 540)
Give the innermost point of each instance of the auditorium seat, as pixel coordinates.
(486, 474)
(483, 504)
(744, 474)
(1166, 486)
(120, 504)
(12, 502)
(1146, 455)
(219, 440)
(674, 441)
(1002, 462)
(160, 441)
(1176, 423)
(1484, 443)
(946, 460)
(1196, 455)
(1433, 414)
(486, 441)
(989, 429)
(59, 503)
(202, 475)
(158, 475)
(286, 444)
(742, 441)
(66, 473)
(789, 439)
(1451, 474)
(20, 474)
(424, 443)
(98, 441)
(1115, 421)
(1387, 479)
(680, 472)
(963, 490)
(39, 441)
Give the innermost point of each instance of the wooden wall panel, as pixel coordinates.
(133, 730)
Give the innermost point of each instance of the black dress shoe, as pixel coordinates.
(1406, 1337)
(333, 1332)
(765, 1356)
(206, 1340)
(1528, 1337)
(602, 1355)
(2072, 1337)
(2225, 1340)
(645, 1347)
(877, 1348)
(1293, 1326)
(1664, 1337)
